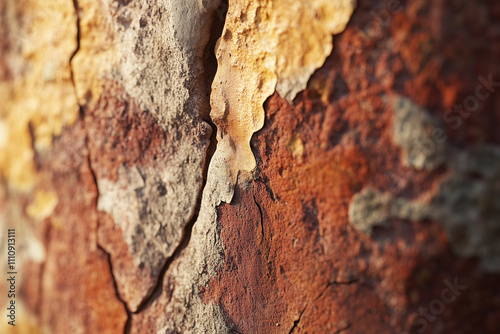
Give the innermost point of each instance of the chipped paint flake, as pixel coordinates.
(251, 62)
(43, 205)
(296, 147)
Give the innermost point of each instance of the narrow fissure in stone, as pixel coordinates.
(210, 68)
(75, 4)
(89, 161)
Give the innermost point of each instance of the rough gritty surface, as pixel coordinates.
(139, 172)
(293, 262)
(67, 276)
(140, 81)
(374, 189)
(201, 260)
(238, 94)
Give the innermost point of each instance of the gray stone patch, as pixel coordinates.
(369, 208)
(419, 136)
(466, 204)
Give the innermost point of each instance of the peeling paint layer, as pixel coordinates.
(267, 45)
(281, 257)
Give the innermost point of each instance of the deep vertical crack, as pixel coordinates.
(92, 172)
(210, 68)
(127, 326)
(78, 36)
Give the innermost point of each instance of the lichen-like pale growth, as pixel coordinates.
(464, 204)
(418, 134)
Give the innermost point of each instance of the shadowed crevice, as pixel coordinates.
(210, 68)
(89, 161)
(127, 326)
(78, 37)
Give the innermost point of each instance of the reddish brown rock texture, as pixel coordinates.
(125, 136)
(288, 254)
(73, 290)
(292, 261)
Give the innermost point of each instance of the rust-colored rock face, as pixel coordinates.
(295, 260)
(258, 166)
(63, 274)
(73, 256)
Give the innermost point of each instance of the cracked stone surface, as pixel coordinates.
(144, 96)
(257, 166)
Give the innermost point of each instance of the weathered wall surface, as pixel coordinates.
(257, 166)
